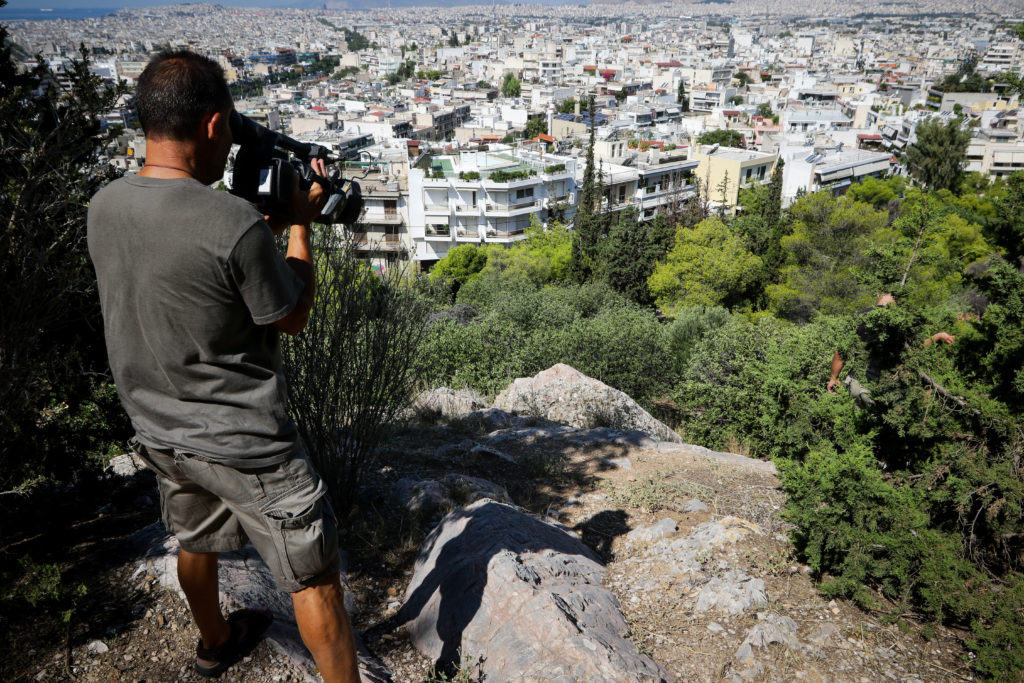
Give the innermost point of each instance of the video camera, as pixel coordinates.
(265, 173)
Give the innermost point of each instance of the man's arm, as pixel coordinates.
(305, 208)
(837, 365)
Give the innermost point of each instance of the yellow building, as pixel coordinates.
(722, 171)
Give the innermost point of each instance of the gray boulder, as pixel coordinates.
(564, 394)
(492, 582)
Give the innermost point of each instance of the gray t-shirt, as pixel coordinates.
(190, 280)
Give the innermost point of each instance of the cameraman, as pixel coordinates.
(194, 293)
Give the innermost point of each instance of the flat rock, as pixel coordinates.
(495, 583)
(446, 403)
(641, 534)
(732, 593)
(694, 505)
(426, 496)
(563, 394)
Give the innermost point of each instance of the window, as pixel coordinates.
(524, 193)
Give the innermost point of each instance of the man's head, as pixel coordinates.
(176, 91)
(885, 298)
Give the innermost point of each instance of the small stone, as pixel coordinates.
(694, 505)
(715, 627)
(98, 647)
(160, 620)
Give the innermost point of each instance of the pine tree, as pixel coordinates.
(585, 236)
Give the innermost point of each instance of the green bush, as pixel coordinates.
(501, 176)
(469, 175)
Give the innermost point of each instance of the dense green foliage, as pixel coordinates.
(937, 159)
(57, 405)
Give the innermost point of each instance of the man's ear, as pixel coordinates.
(211, 124)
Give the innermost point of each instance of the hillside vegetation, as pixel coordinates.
(912, 508)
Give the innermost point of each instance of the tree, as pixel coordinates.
(566, 106)
(707, 266)
(58, 405)
(723, 137)
(454, 40)
(536, 126)
(743, 77)
(1008, 228)
(764, 110)
(459, 265)
(589, 221)
(938, 157)
(510, 87)
(682, 98)
(824, 257)
(631, 252)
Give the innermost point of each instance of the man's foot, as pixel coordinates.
(247, 629)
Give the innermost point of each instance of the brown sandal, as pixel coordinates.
(248, 627)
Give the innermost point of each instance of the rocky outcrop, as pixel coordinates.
(563, 394)
(523, 596)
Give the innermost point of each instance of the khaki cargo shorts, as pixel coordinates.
(281, 509)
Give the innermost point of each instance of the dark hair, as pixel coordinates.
(176, 90)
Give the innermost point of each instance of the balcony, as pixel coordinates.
(514, 209)
(382, 219)
(436, 208)
(467, 209)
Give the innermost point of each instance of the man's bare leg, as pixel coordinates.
(197, 573)
(326, 631)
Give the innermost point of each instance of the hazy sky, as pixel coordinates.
(116, 4)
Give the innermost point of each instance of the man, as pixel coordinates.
(860, 393)
(194, 292)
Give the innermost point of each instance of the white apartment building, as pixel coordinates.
(484, 197)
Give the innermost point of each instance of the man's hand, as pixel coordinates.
(832, 385)
(305, 207)
(940, 337)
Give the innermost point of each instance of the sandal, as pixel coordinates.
(247, 629)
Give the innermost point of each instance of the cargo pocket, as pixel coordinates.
(307, 542)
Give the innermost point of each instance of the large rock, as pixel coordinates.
(564, 394)
(523, 595)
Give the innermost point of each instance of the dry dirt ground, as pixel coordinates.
(127, 628)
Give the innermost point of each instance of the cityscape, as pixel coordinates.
(465, 124)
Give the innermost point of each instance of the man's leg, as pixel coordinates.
(197, 573)
(325, 629)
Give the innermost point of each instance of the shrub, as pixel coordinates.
(469, 175)
(351, 370)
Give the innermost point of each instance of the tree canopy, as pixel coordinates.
(938, 158)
